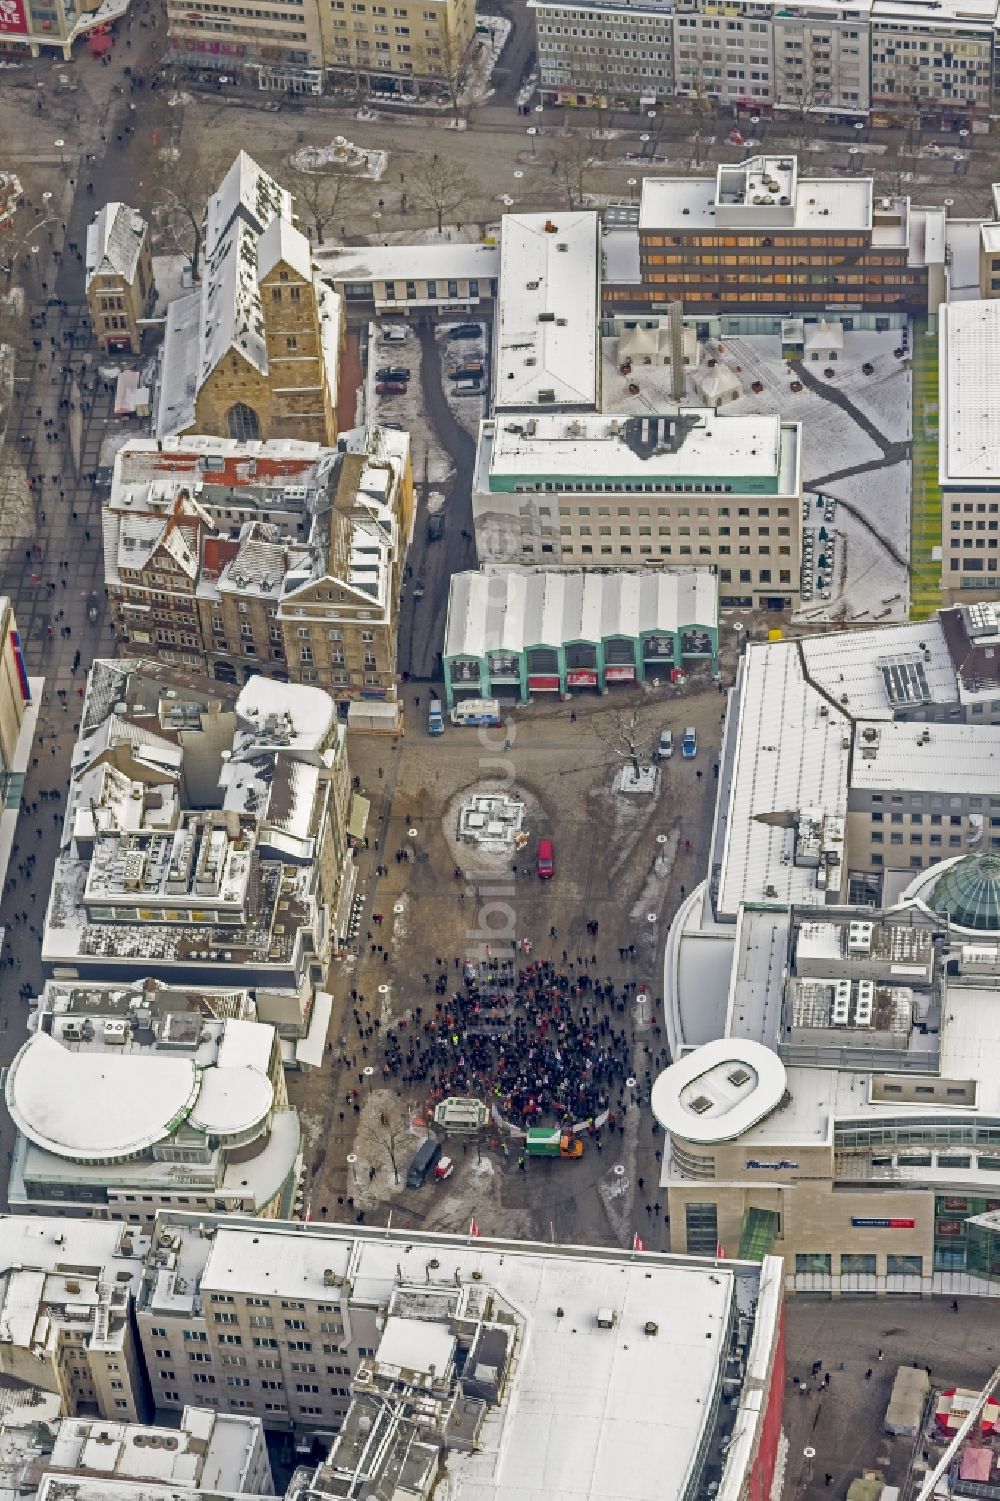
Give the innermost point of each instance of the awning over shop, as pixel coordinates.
(358, 822)
(309, 1049)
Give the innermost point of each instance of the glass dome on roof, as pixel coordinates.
(969, 893)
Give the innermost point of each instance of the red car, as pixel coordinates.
(391, 388)
(546, 861)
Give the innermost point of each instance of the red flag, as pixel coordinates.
(638, 1244)
(473, 1228)
(720, 1250)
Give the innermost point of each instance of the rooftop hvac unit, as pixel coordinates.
(859, 937)
(841, 1011)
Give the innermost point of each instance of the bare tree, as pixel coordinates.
(450, 68)
(385, 1131)
(570, 161)
(622, 739)
(184, 181)
(442, 187)
(324, 196)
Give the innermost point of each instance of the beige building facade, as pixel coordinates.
(709, 491)
(119, 278)
(409, 47)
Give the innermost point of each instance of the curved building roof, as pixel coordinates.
(95, 1106)
(232, 1101)
(968, 893)
(100, 1106)
(718, 1091)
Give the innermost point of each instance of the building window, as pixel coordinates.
(244, 424)
(812, 1261)
(702, 1227)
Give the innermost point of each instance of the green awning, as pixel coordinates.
(760, 1231)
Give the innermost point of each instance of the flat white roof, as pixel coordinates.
(454, 261)
(834, 204)
(546, 330)
(921, 757)
(718, 1091)
(792, 753)
(851, 666)
(416, 1345)
(509, 609)
(710, 445)
(969, 405)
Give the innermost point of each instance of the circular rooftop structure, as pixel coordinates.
(968, 893)
(95, 1107)
(718, 1091)
(232, 1102)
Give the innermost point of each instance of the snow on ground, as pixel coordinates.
(341, 153)
(865, 577)
(431, 465)
(491, 37)
(872, 585)
(467, 409)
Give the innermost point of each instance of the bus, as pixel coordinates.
(435, 719)
(477, 711)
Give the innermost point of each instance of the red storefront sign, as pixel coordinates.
(581, 678)
(619, 674)
(12, 18)
(543, 684)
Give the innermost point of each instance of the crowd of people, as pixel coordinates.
(541, 1042)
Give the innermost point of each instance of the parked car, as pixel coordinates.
(465, 331)
(468, 388)
(546, 860)
(689, 744)
(435, 527)
(391, 388)
(393, 334)
(665, 745)
(424, 1159)
(470, 370)
(393, 372)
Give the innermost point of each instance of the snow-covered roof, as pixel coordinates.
(282, 242)
(291, 715)
(456, 261)
(689, 442)
(546, 330)
(718, 1091)
(509, 609)
(247, 192)
(790, 754)
(114, 240)
(760, 193)
(231, 314)
(969, 415)
(95, 1103)
(823, 335)
(179, 366)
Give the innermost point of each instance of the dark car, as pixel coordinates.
(391, 388)
(471, 370)
(424, 1159)
(435, 527)
(466, 331)
(392, 372)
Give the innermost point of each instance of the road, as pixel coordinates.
(422, 621)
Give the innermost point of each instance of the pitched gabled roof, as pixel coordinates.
(114, 240)
(246, 192)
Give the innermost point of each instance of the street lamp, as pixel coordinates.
(59, 147)
(963, 136)
(532, 132)
(631, 189)
(644, 140)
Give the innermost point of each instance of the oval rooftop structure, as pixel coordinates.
(718, 1091)
(92, 1107)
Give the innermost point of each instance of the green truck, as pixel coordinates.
(544, 1142)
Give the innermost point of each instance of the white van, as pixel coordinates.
(393, 333)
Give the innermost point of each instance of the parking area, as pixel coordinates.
(821, 554)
